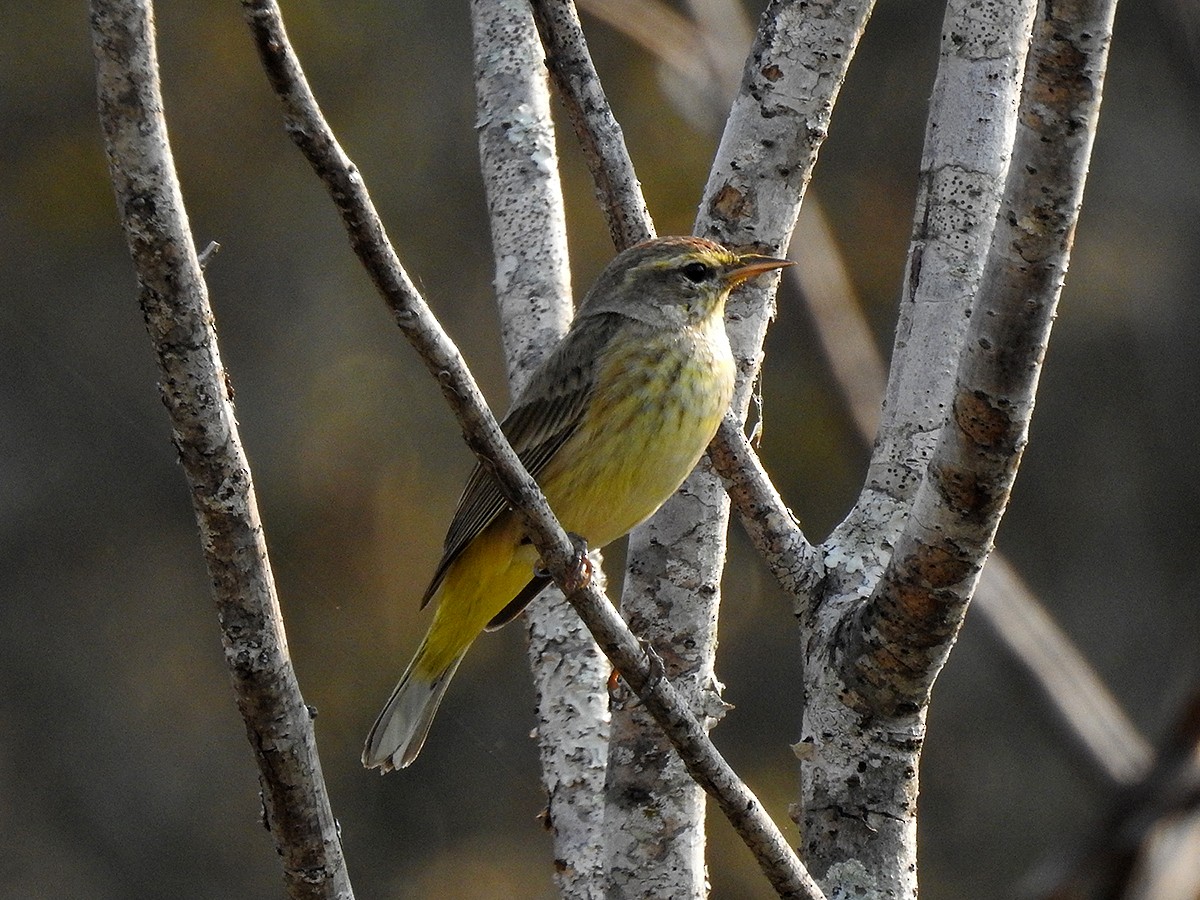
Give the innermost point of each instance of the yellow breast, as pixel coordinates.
(657, 404)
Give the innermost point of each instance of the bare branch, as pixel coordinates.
(196, 392)
(763, 166)
(635, 754)
(533, 291)
(1087, 711)
(908, 626)
(968, 144)
(1088, 714)
(779, 121)
(769, 148)
(520, 175)
(752, 198)
(369, 241)
(570, 63)
(852, 821)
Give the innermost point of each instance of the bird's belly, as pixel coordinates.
(650, 422)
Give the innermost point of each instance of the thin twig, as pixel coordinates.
(574, 76)
(195, 389)
(312, 135)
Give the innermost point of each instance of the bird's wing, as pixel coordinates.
(539, 423)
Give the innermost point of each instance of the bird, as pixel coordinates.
(609, 425)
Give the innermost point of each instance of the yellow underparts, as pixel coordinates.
(657, 406)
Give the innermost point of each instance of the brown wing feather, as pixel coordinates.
(539, 423)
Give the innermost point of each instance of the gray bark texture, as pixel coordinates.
(890, 611)
(310, 132)
(672, 595)
(1013, 115)
(533, 292)
(197, 393)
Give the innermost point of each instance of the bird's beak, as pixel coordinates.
(751, 265)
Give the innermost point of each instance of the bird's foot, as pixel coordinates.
(622, 696)
(657, 669)
(581, 566)
(581, 572)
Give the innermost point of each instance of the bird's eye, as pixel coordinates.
(697, 272)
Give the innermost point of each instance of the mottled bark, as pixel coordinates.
(867, 685)
(312, 135)
(199, 399)
(533, 292)
(618, 191)
(752, 198)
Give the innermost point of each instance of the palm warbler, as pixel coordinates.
(610, 425)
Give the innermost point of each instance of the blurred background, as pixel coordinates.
(124, 769)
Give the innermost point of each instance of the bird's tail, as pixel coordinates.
(398, 734)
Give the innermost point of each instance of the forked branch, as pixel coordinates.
(313, 136)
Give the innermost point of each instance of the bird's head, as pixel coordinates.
(673, 279)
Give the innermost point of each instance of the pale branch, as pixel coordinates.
(519, 164)
(195, 389)
(910, 622)
(647, 786)
(854, 825)
(312, 135)
(618, 191)
(1087, 713)
(765, 160)
(753, 197)
(1070, 686)
(968, 143)
(778, 122)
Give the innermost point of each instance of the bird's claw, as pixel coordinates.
(581, 572)
(581, 566)
(656, 672)
(657, 669)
